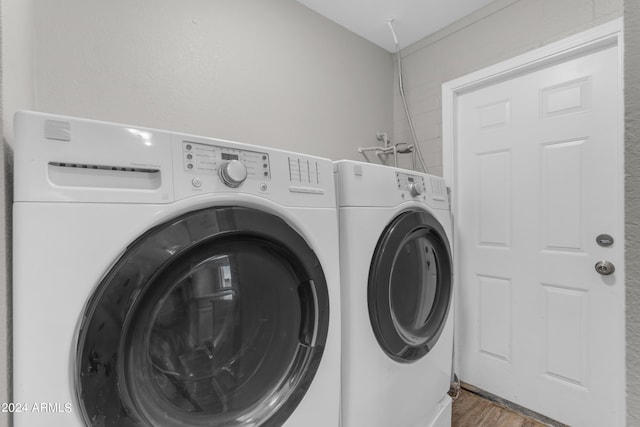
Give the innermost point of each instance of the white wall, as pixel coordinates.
(16, 85)
(499, 31)
(264, 72)
(632, 206)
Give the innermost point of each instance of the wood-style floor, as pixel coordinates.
(471, 410)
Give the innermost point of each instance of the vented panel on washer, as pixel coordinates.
(205, 159)
(303, 171)
(438, 189)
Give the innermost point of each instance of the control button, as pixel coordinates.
(197, 182)
(415, 189)
(264, 157)
(263, 187)
(232, 173)
(189, 156)
(188, 146)
(189, 166)
(266, 174)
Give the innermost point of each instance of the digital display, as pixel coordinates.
(227, 156)
(410, 179)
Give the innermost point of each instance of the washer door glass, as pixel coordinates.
(410, 286)
(218, 318)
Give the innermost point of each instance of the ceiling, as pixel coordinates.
(412, 19)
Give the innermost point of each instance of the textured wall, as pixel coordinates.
(273, 73)
(632, 208)
(18, 84)
(499, 31)
(5, 313)
(17, 90)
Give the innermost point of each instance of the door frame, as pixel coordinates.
(605, 35)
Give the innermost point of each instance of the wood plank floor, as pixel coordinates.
(471, 410)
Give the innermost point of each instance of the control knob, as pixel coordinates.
(415, 189)
(605, 268)
(232, 173)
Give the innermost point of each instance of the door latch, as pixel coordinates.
(605, 268)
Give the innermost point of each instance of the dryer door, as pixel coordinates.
(216, 318)
(410, 286)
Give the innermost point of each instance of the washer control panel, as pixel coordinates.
(414, 184)
(204, 159)
(206, 166)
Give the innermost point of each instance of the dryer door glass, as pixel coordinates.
(410, 286)
(217, 318)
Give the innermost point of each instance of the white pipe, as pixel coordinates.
(395, 154)
(366, 157)
(393, 32)
(417, 153)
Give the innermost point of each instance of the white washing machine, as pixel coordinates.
(163, 279)
(397, 294)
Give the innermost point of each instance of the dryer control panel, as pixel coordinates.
(422, 185)
(414, 184)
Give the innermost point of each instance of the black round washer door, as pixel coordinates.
(410, 285)
(216, 318)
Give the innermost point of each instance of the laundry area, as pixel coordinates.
(307, 213)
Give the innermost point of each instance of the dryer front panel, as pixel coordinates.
(218, 317)
(410, 285)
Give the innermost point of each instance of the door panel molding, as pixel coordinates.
(596, 38)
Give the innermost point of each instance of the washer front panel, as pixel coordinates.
(218, 317)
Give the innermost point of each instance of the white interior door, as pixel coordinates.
(539, 177)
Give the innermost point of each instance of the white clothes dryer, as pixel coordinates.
(163, 279)
(397, 294)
